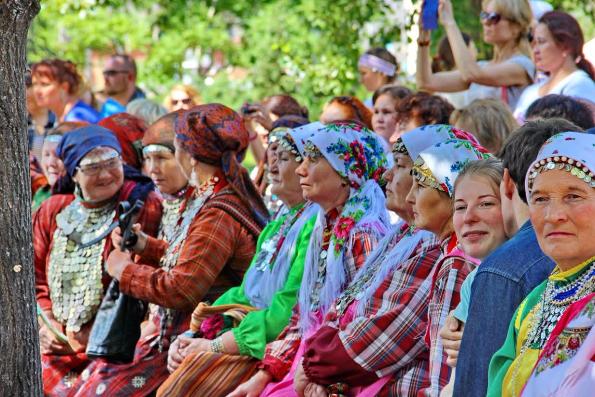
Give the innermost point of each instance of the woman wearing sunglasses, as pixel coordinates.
(505, 26)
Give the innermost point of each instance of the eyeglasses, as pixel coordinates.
(490, 18)
(95, 169)
(112, 73)
(185, 101)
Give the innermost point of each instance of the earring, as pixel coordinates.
(193, 178)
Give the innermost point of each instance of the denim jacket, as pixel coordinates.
(503, 280)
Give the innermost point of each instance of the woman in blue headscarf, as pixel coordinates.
(71, 244)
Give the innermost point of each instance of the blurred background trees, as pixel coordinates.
(237, 51)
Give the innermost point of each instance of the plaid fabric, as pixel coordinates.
(215, 240)
(388, 339)
(448, 278)
(279, 354)
(59, 372)
(208, 374)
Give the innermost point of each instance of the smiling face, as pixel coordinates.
(398, 184)
(432, 209)
(477, 216)
(164, 170)
(51, 165)
(562, 208)
(384, 118)
(321, 184)
(99, 181)
(547, 54)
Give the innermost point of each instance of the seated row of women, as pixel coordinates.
(329, 297)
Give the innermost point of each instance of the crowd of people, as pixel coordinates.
(435, 241)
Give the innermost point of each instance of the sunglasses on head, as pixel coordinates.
(185, 101)
(490, 18)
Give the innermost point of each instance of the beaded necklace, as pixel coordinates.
(75, 273)
(321, 270)
(179, 233)
(554, 301)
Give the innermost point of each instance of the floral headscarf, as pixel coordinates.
(356, 154)
(286, 142)
(573, 152)
(129, 130)
(215, 134)
(439, 165)
(414, 141)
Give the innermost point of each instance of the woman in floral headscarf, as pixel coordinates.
(560, 186)
(343, 163)
(431, 196)
(202, 253)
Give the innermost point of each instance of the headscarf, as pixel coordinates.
(439, 165)
(356, 154)
(283, 137)
(78, 143)
(414, 141)
(162, 132)
(573, 152)
(129, 130)
(215, 134)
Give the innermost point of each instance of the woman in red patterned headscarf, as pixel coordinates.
(130, 131)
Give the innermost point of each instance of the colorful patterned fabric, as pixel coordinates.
(448, 277)
(439, 165)
(60, 371)
(216, 246)
(356, 154)
(420, 138)
(216, 135)
(569, 151)
(129, 130)
(78, 143)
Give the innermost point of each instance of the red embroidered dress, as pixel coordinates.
(60, 371)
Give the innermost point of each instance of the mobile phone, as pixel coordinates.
(429, 14)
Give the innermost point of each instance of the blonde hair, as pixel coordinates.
(185, 88)
(490, 120)
(490, 169)
(517, 12)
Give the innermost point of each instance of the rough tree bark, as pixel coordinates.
(20, 368)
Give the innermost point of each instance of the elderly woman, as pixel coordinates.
(71, 246)
(342, 164)
(371, 340)
(561, 196)
(505, 26)
(204, 365)
(431, 196)
(206, 250)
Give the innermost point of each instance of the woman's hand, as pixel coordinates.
(141, 241)
(315, 390)
(253, 387)
(194, 345)
(49, 342)
(116, 262)
(452, 334)
(300, 380)
(175, 355)
(445, 14)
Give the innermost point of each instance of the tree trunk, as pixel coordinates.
(20, 369)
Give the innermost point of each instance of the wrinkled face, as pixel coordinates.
(49, 93)
(501, 32)
(184, 159)
(398, 184)
(370, 79)
(477, 216)
(165, 171)
(272, 159)
(547, 54)
(99, 181)
(432, 209)
(180, 100)
(320, 183)
(51, 165)
(384, 119)
(117, 76)
(562, 208)
(286, 183)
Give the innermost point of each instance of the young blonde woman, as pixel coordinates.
(505, 26)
